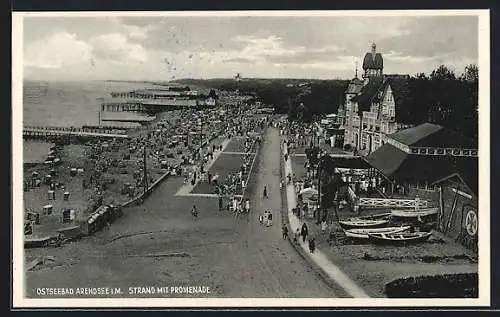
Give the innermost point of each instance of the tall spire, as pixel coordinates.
(374, 49)
(356, 69)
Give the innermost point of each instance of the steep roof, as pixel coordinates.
(378, 61)
(367, 93)
(415, 134)
(386, 159)
(433, 135)
(396, 164)
(373, 62)
(466, 177)
(399, 87)
(354, 86)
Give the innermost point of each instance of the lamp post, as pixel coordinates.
(318, 174)
(145, 175)
(200, 122)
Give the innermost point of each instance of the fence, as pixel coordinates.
(391, 203)
(85, 132)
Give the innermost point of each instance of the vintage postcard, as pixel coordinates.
(257, 159)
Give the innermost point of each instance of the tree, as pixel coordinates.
(442, 73)
(302, 112)
(312, 155)
(471, 73)
(421, 76)
(212, 94)
(291, 110)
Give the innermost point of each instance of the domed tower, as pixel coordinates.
(373, 63)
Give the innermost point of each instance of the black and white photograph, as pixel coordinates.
(251, 158)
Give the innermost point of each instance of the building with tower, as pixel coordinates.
(368, 114)
(373, 63)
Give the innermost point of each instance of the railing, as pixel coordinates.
(74, 131)
(387, 202)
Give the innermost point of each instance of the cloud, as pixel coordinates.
(115, 48)
(58, 51)
(167, 47)
(303, 55)
(434, 36)
(240, 60)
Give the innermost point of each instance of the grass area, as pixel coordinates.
(237, 144)
(298, 166)
(224, 165)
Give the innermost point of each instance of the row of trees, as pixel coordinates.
(442, 98)
(471, 73)
(285, 95)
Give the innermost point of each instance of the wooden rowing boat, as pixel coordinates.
(386, 215)
(36, 242)
(362, 233)
(400, 238)
(413, 213)
(361, 223)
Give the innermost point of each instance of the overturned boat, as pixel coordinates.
(383, 216)
(363, 233)
(400, 238)
(362, 223)
(413, 213)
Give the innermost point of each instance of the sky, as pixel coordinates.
(173, 47)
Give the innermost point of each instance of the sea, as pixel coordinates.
(64, 104)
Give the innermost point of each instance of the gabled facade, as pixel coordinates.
(369, 111)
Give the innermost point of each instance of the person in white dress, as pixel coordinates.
(247, 205)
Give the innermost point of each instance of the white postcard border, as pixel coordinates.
(18, 287)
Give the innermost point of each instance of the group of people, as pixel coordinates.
(266, 219)
(234, 183)
(234, 204)
(302, 232)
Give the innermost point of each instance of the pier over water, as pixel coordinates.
(43, 131)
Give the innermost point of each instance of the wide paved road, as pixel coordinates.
(261, 262)
(235, 257)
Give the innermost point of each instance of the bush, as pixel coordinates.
(438, 286)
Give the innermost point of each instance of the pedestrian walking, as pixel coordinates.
(266, 218)
(312, 245)
(221, 203)
(194, 212)
(270, 218)
(304, 232)
(296, 236)
(284, 231)
(247, 205)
